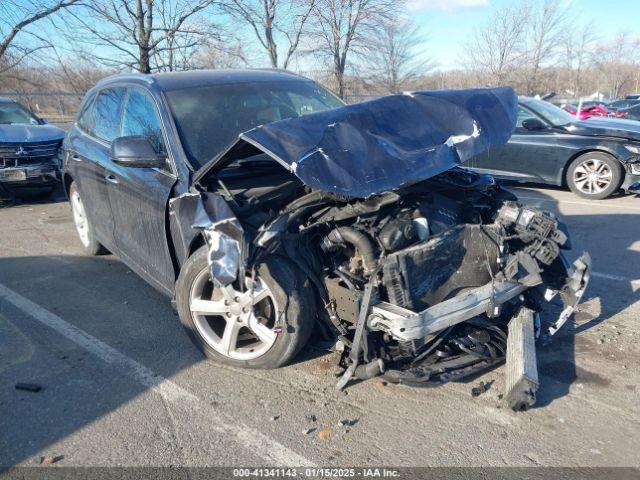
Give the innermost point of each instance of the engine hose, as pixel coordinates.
(342, 235)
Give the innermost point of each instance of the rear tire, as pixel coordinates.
(594, 175)
(285, 313)
(83, 226)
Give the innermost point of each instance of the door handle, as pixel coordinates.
(75, 158)
(111, 179)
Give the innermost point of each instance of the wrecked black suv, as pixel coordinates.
(269, 210)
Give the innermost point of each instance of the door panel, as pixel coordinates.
(528, 156)
(139, 198)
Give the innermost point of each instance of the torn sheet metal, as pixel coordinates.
(574, 289)
(210, 214)
(372, 147)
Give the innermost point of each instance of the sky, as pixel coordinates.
(447, 23)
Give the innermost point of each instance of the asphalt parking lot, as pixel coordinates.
(122, 385)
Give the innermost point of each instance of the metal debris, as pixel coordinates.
(28, 387)
(481, 388)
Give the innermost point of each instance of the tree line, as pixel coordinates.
(356, 47)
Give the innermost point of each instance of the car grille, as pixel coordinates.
(27, 153)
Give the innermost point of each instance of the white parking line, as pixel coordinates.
(253, 440)
(635, 283)
(591, 204)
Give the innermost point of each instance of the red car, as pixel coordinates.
(592, 110)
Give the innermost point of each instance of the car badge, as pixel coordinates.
(21, 151)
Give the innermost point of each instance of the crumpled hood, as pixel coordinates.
(379, 145)
(30, 133)
(607, 127)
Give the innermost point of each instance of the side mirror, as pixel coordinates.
(533, 124)
(137, 152)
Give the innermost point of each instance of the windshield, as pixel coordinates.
(15, 114)
(209, 118)
(554, 115)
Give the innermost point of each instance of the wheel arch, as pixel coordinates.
(67, 180)
(565, 168)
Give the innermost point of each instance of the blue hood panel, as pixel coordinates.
(379, 145)
(30, 133)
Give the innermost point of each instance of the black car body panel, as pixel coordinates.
(375, 146)
(543, 155)
(29, 152)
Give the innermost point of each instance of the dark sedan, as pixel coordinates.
(265, 207)
(594, 158)
(620, 104)
(632, 112)
(28, 149)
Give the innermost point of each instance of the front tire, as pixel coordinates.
(83, 226)
(594, 175)
(261, 328)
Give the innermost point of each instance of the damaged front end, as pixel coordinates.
(427, 272)
(446, 307)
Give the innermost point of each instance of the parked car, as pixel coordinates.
(262, 205)
(620, 104)
(630, 113)
(587, 111)
(600, 103)
(29, 149)
(594, 158)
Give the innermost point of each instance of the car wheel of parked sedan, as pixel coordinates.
(83, 226)
(263, 327)
(594, 175)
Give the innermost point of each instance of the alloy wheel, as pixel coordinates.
(80, 218)
(592, 176)
(238, 325)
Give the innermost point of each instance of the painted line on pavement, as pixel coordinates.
(251, 438)
(591, 204)
(635, 283)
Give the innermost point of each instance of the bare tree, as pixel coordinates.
(272, 21)
(395, 57)
(578, 51)
(618, 62)
(346, 27)
(498, 48)
(136, 33)
(221, 57)
(16, 18)
(546, 25)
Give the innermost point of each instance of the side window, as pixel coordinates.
(523, 115)
(84, 120)
(106, 114)
(141, 118)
